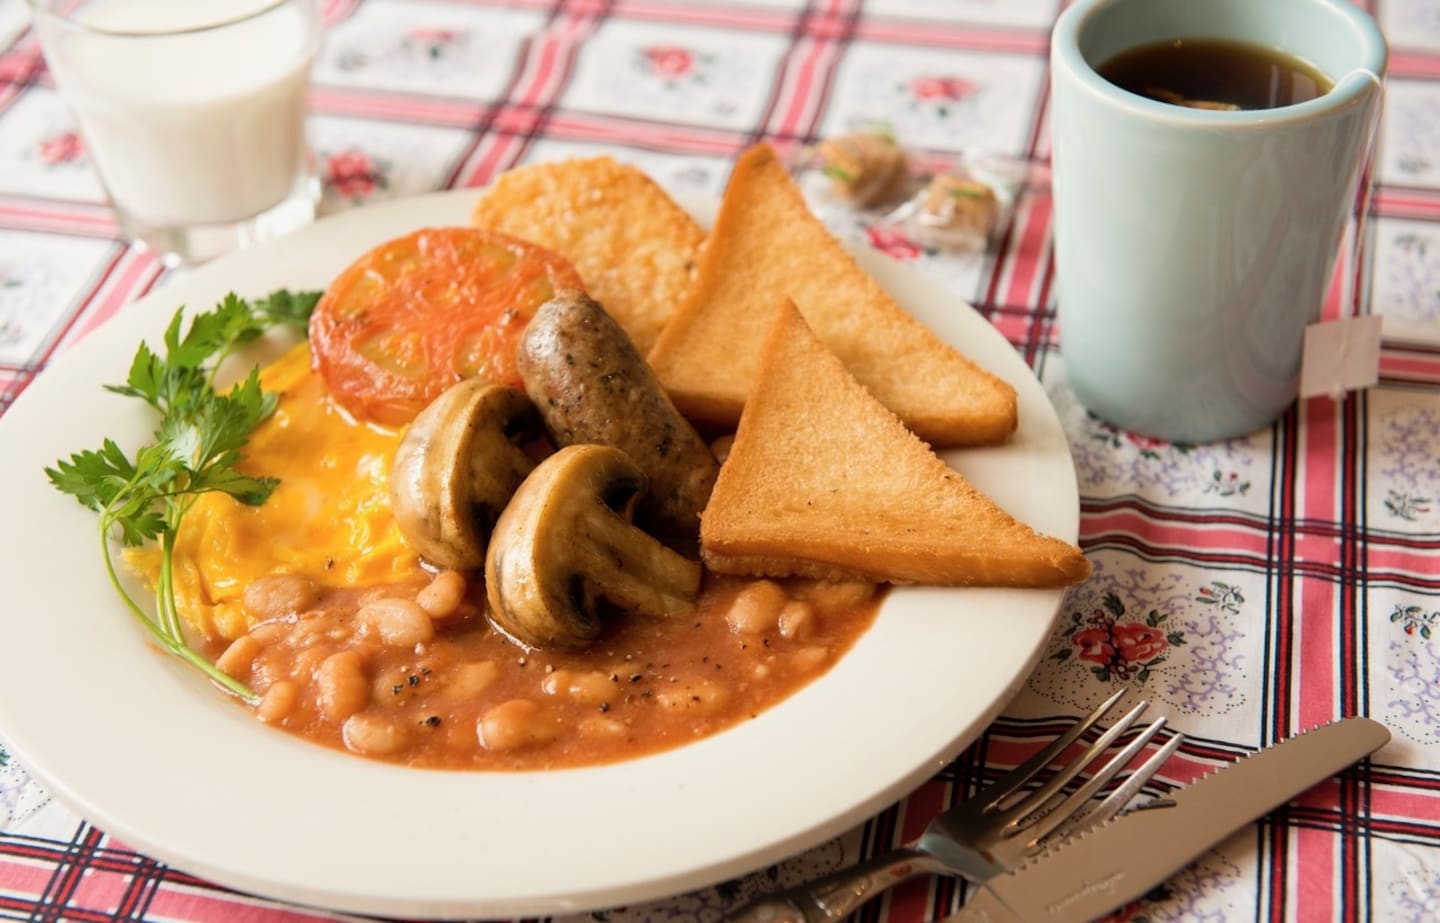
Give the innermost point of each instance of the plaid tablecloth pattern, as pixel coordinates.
(1255, 588)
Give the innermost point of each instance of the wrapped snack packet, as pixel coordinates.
(961, 207)
(866, 168)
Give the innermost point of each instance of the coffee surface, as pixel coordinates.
(1215, 74)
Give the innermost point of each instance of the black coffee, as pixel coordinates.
(1215, 74)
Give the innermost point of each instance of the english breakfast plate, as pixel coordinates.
(146, 749)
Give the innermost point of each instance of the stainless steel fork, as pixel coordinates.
(990, 833)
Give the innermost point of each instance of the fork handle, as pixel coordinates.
(839, 894)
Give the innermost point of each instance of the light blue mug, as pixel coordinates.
(1194, 246)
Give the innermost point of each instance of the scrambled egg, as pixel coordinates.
(329, 519)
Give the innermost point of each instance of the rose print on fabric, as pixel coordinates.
(1180, 639)
(1116, 648)
(894, 243)
(673, 65)
(61, 149)
(355, 176)
(939, 94)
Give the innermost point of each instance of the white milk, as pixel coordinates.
(197, 128)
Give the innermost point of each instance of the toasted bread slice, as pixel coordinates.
(767, 245)
(633, 245)
(822, 481)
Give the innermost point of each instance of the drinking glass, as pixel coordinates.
(193, 113)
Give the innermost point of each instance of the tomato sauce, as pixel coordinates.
(467, 697)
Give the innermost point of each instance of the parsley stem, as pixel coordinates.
(168, 632)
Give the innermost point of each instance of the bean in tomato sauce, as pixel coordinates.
(412, 673)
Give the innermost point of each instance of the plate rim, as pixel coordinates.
(52, 763)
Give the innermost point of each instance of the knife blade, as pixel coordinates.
(1120, 861)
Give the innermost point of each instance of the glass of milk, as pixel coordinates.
(194, 113)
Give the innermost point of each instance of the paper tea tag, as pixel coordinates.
(1340, 355)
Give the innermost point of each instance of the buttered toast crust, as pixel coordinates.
(633, 245)
(822, 481)
(767, 245)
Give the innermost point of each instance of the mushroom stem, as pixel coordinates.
(633, 571)
(565, 553)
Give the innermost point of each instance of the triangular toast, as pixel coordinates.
(822, 481)
(767, 245)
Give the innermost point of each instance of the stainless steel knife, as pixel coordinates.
(1096, 872)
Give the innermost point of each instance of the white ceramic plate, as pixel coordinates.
(144, 748)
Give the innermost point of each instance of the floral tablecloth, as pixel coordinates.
(1254, 588)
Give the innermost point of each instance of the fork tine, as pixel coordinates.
(1082, 795)
(1116, 801)
(1037, 800)
(1013, 780)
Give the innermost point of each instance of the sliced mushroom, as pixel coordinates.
(566, 548)
(456, 468)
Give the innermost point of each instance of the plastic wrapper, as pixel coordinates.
(865, 168)
(960, 207)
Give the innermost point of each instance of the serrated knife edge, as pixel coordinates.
(1124, 858)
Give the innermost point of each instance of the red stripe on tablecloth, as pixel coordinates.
(1409, 366)
(707, 142)
(1406, 804)
(1355, 791)
(68, 874)
(1015, 324)
(947, 36)
(795, 97)
(25, 880)
(1420, 780)
(1407, 202)
(1391, 561)
(1336, 303)
(1234, 535)
(79, 219)
(544, 72)
(1029, 258)
(1311, 861)
(911, 901)
(396, 107)
(734, 17)
(1319, 467)
(217, 906)
(1420, 65)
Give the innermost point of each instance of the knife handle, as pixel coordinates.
(836, 896)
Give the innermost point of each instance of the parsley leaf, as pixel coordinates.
(196, 450)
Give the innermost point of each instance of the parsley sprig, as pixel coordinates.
(196, 450)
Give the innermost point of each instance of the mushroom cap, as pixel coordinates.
(456, 468)
(565, 551)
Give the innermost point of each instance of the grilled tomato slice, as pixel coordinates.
(419, 313)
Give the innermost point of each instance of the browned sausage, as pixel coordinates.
(591, 386)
